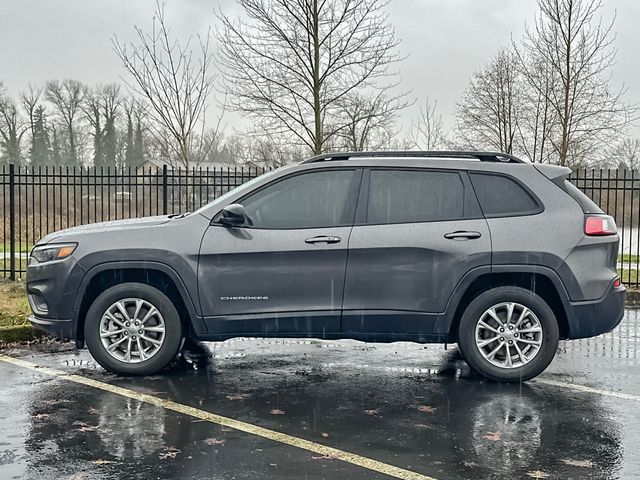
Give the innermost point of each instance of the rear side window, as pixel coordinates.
(501, 196)
(410, 196)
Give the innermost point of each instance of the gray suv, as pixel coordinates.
(498, 255)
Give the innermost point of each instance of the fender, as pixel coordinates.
(196, 321)
(446, 319)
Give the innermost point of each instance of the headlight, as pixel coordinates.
(47, 253)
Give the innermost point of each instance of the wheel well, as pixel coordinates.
(109, 278)
(535, 282)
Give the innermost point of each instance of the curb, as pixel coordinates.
(632, 299)
(19, 333)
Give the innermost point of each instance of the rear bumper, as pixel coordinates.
(591, 318)
(59, 328)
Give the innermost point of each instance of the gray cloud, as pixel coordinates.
(445, 40)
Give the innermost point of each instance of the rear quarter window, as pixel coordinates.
(502, 196)
(587, 205)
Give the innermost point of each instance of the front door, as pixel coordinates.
(417, 233)
(283, 275)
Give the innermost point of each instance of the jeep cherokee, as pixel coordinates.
(498, 255)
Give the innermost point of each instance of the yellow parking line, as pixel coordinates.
(276, 436)
(585, 389)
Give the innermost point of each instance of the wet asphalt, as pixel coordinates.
(412, 406)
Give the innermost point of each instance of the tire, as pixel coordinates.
(533, 342)
(160, 339)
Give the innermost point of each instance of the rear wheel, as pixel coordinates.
(508, 334)
(133, 329)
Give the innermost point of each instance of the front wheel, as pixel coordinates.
(508, 334)
(133, 329)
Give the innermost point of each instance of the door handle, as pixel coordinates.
(462, 235)
(323, 239)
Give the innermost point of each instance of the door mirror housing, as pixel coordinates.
(234, 215)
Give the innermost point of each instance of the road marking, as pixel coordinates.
(352, 458)
(585, 389)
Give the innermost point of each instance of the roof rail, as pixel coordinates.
(482, 156)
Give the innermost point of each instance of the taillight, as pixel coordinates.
(597, 225)
(617, 282)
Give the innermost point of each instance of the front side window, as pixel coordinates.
(409, 196)
(310, 200)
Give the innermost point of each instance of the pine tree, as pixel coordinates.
(56, 154)
(130, 154)
(40, 145)
(139, 145)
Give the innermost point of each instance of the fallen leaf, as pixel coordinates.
(324, 457)
(214, 441)
(578, 463)
(375, 411)
(277, 411)
(83, 427)
(171, 452)
(493, 436)
(238, 396)
(537, 474)
(427, 409)
(325, 435)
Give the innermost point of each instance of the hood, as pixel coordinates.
(106, 227)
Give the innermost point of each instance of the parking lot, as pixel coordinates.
(254, 408)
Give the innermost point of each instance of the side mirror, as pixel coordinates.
(234, 215)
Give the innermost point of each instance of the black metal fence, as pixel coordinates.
(39, 200)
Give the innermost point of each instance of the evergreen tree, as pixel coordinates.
(40, 145)
(130, 154)
(138, 145)
(55, 156)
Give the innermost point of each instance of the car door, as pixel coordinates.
(283, 275)
(417, 232)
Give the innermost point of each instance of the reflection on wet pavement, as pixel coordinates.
(413, 406)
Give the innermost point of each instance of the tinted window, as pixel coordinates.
(587, 205)
(401, 196)
(317, 199)
(500, 195)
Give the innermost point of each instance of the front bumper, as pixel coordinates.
(591, 318)
(51, 291)
(59, 328)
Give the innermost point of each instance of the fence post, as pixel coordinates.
(12, 223)
(164, 189)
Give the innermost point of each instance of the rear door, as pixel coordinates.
(417, 232)
(284, 275)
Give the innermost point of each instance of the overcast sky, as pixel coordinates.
(445, 40)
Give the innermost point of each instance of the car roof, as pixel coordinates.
(476, 156)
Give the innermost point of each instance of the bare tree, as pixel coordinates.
(427, 131)
(537, 118)
(174, 79)
(12, 128)
(366, 120)
(292, 64)
(625, 154)
(575, 45)
(67, 98)
(490, 107)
